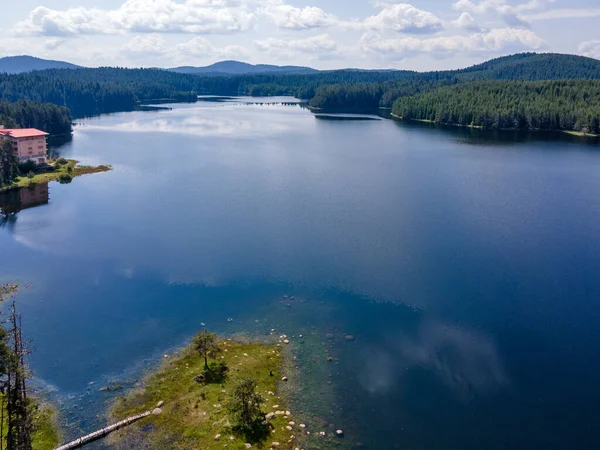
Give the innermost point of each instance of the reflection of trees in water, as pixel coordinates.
(16, 200)
(56, 142)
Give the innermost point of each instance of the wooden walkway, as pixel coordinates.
(102, 432)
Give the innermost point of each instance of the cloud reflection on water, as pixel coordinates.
(467, 362)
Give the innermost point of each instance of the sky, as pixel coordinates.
(421, 35)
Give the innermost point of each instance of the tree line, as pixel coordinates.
(87, 91)
(570, 105)
(53, 119)
(16, 409)
(9, 164)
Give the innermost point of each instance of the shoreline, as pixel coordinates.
(479, 127)
(195, 413)
(64, 174)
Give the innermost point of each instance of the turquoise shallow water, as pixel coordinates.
(464, 265)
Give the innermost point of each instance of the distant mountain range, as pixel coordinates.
(241, 68)
(20, 64)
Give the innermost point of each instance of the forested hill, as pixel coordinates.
(534, 67)
(567, 105)
(50, 118)
(524, 67)
(92, 91)
(20, 64)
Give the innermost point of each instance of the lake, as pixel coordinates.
(451, 274)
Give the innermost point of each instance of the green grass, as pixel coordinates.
(581, 134)
(45, 428)
(46, 434)
(47, 177)
(195, 413)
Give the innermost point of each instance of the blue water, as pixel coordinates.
(464, 265)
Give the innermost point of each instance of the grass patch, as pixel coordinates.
(45, 434)
(194, 413)
(63, 173)
(581, 134)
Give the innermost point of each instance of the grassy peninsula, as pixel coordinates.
(197, 412)
(64, 172)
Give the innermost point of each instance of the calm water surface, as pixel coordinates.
(464, 267)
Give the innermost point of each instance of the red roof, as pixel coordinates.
(22, 132)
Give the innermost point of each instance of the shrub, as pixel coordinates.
(27, 167)
(65, 178)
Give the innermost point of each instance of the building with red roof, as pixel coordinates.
(29, 144)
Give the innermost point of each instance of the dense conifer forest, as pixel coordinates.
(93, 91)
(568, 105)
(48, 117)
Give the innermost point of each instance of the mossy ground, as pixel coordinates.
(47, 177)
(194, 413)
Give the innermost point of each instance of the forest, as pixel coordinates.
(568, 105)
(53, 119)
(93, 91)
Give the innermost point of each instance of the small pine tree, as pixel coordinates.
(244, 405)
(207, 346)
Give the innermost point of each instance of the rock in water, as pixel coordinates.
(160, 404)
(156, 411)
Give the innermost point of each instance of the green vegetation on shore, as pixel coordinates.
(572, 105)
(45, 433)
(25, 424)
(64, 172)
(199, 413)
(53, 119)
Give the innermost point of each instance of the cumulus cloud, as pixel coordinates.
(317, 46)
(560, 14)
(466, 22)
(290, 17)
(155, 46)
(511, 14)
(590, 48)
(403, 17)
(151, 45)
(200, 47)
(191, 16)
(492, 40)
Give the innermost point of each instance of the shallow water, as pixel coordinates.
(462, 264)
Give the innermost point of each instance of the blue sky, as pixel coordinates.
(421, 35)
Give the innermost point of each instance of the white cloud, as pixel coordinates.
(511, 14)
(316, 46)
(590, 48)
(150, 45)
(466, 22)
(145, 16)
(53, 43)
(403, 17)
(559, 14)
(290, 17)
(490, 41)
(154, 46)
(199, 47)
